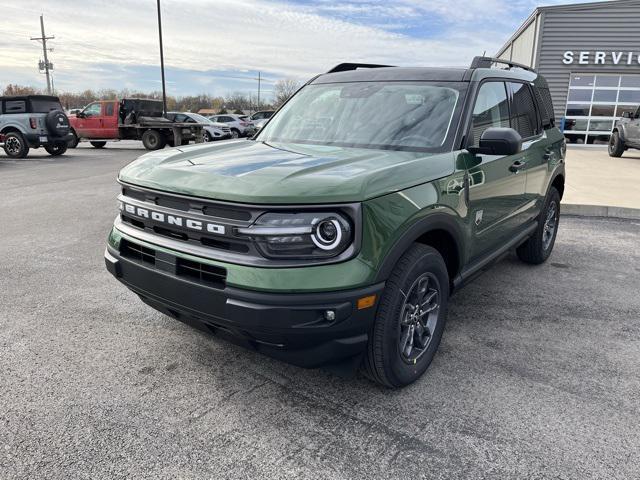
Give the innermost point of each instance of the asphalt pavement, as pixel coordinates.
(538, 373)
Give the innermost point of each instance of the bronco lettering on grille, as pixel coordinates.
(175, 220)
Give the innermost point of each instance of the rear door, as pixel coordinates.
(496, 194)
(536, 148)
(109, 120)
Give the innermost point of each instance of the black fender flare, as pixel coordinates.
(433, 221)
(621, 131)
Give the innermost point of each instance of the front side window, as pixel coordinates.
(92, 110)
(490, 110)
(524, 118)
(412, 116)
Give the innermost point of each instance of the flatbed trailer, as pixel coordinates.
(131, 119)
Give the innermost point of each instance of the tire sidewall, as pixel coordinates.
(24, 148)
(552, 196)
(398, 371)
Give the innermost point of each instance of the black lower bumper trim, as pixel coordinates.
(289, 326)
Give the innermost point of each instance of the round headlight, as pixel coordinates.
(327, 234)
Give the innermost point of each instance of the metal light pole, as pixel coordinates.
(164, 90)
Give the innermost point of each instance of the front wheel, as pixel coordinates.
(616, 145)
(206, 136)
(56, 149)
(98, 144)
(74, 140)
(235, 133)
(410, 319)
(15, 145)
(538, 247)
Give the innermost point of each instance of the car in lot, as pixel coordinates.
(239, 125)
(211, 130)
(130, 119)
(261, 115)
(625, 134)
(337, 234)
(33, 121)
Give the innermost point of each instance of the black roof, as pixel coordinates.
(394, 73)
(27, 97)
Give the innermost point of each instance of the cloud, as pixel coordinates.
(99, 41)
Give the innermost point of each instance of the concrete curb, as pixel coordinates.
(600, 211)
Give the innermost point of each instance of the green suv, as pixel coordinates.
(337, 234)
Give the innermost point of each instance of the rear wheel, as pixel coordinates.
(56, 149)
(98, 144)
(15, 145)
(153, 140)
(616, 145)
(537, 249)
(410, 319)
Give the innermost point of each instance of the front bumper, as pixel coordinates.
(288, 326)
(36, 140)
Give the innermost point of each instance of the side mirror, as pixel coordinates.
(498, 141)
(79, 115)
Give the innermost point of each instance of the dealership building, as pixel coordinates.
(590, 55)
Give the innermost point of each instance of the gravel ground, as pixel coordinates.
(538, 374)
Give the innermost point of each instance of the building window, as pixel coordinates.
(594, 102)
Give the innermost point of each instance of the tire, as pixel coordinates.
(56, 149)
(235, 133)
(206, 136)
(538, 247)
(57, 123)
(184, 142)
(73, 143)
(387, 361)
(153, 140)
(15, 145)
(98, 144)
(616, 145)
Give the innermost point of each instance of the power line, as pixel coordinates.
(44, 65)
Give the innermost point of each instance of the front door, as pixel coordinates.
(88, 125)
(496, 190)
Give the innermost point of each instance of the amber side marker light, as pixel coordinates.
(366, 302)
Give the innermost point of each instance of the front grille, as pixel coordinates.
(201, 272)
(137, 252)
(191, 270)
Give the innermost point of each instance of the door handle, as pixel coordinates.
(517, 166)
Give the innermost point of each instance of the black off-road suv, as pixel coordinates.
(33, 121)
(338, 233)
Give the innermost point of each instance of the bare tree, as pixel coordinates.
(283, 90)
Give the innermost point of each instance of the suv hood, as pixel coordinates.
(248, 171)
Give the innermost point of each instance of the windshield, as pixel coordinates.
(199, 118)
(384, 115)
(40, 105)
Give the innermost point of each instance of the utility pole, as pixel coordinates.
(259, 80)
(164, 90)
(47, 66)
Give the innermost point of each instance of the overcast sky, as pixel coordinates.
(210, 43)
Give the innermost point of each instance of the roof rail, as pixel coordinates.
(344, 67)
(487, 62)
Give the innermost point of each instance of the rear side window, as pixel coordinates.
(15, 106)
(491, 109)
(546, 106)
(108, 109)
(524, 117)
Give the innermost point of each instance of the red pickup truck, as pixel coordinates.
(130, 119)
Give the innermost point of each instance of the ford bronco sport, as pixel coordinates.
(33, 121)
(339, 232)
(625, 134)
